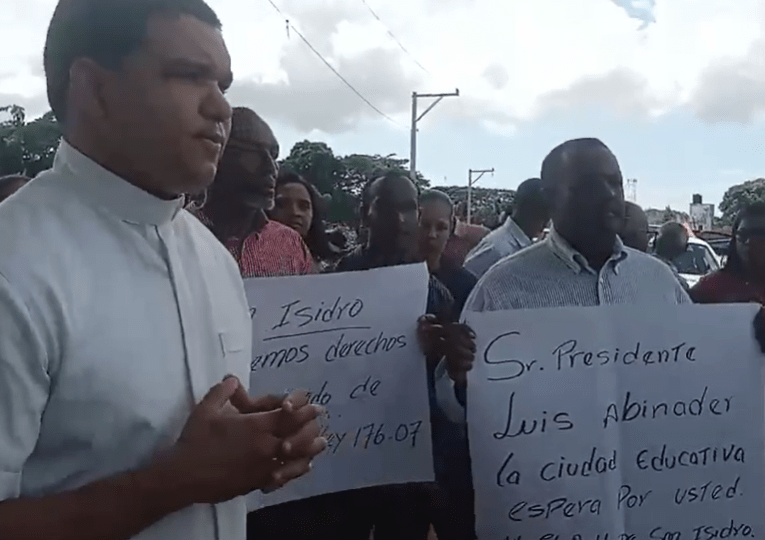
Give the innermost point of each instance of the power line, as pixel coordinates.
(276, 7)
(401, 45)
(326, 63)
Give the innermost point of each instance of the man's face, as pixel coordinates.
(589, 202)
(392, 217)
(435, 226)
(247, 176)
(635, 231)
(750, 242)
(166, 115)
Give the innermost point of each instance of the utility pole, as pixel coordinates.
(631, 194)
(471, 183)
(416, 119)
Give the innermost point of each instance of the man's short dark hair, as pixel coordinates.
(530, 198)
(673, 227)
(552, 166)
(105, 31)
(366, 192)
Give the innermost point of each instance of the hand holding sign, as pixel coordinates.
(459, 351)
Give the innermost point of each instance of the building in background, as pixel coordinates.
(702, 215)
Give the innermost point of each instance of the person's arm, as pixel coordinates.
(480, 262)
(705, 291)
(451, 396)
(116, 508)
(681, 291)
(307, 264)
(113, 509)
(447, 395)
(222, 453)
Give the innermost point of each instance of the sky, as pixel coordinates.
(676, 88)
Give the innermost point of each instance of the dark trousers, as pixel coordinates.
(394, 512)
(452, 513)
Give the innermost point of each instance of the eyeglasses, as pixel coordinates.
(745, 235)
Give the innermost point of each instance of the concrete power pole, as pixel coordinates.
(416, 119)
(631, 194)
(471, 183)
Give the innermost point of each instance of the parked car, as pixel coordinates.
(697, 261)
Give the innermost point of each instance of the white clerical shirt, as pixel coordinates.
(118, 312)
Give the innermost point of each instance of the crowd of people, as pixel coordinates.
(125, 407)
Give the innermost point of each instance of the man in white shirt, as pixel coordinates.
(527, 221)
(121, 316)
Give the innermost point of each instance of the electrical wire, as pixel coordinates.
(332, 68)
(392, 35)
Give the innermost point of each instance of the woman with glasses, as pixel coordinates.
(742, 279)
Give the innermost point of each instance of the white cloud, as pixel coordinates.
(513, 61)
(733, 88)
(622, 91)
(497, 76)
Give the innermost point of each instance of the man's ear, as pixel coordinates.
(90, 88)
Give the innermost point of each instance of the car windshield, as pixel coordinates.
(697, 260)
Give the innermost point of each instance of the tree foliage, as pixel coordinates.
(27, 147)
(342, 178)
(738, 196)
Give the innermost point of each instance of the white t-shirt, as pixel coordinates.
(118, 312)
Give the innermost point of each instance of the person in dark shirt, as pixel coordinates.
(402, 512)
(635, 232)
(452, 503)
(742, 279)
(389, 211)
(436, 222)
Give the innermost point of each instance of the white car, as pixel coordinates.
(697, 261)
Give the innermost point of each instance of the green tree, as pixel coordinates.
(361, 168)
(740, 195)
(316, 162)
(669, 215)
(27, 147)
(341, 178)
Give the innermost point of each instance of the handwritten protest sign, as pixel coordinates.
(617, 423)
(351, 341)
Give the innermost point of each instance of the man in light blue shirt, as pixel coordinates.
(527, 221)
(581, 263)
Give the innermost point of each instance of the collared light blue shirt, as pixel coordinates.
(552, 274)
(118, 312)
(495, 246)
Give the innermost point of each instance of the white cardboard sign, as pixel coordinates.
(617, 423)
(350, 340)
